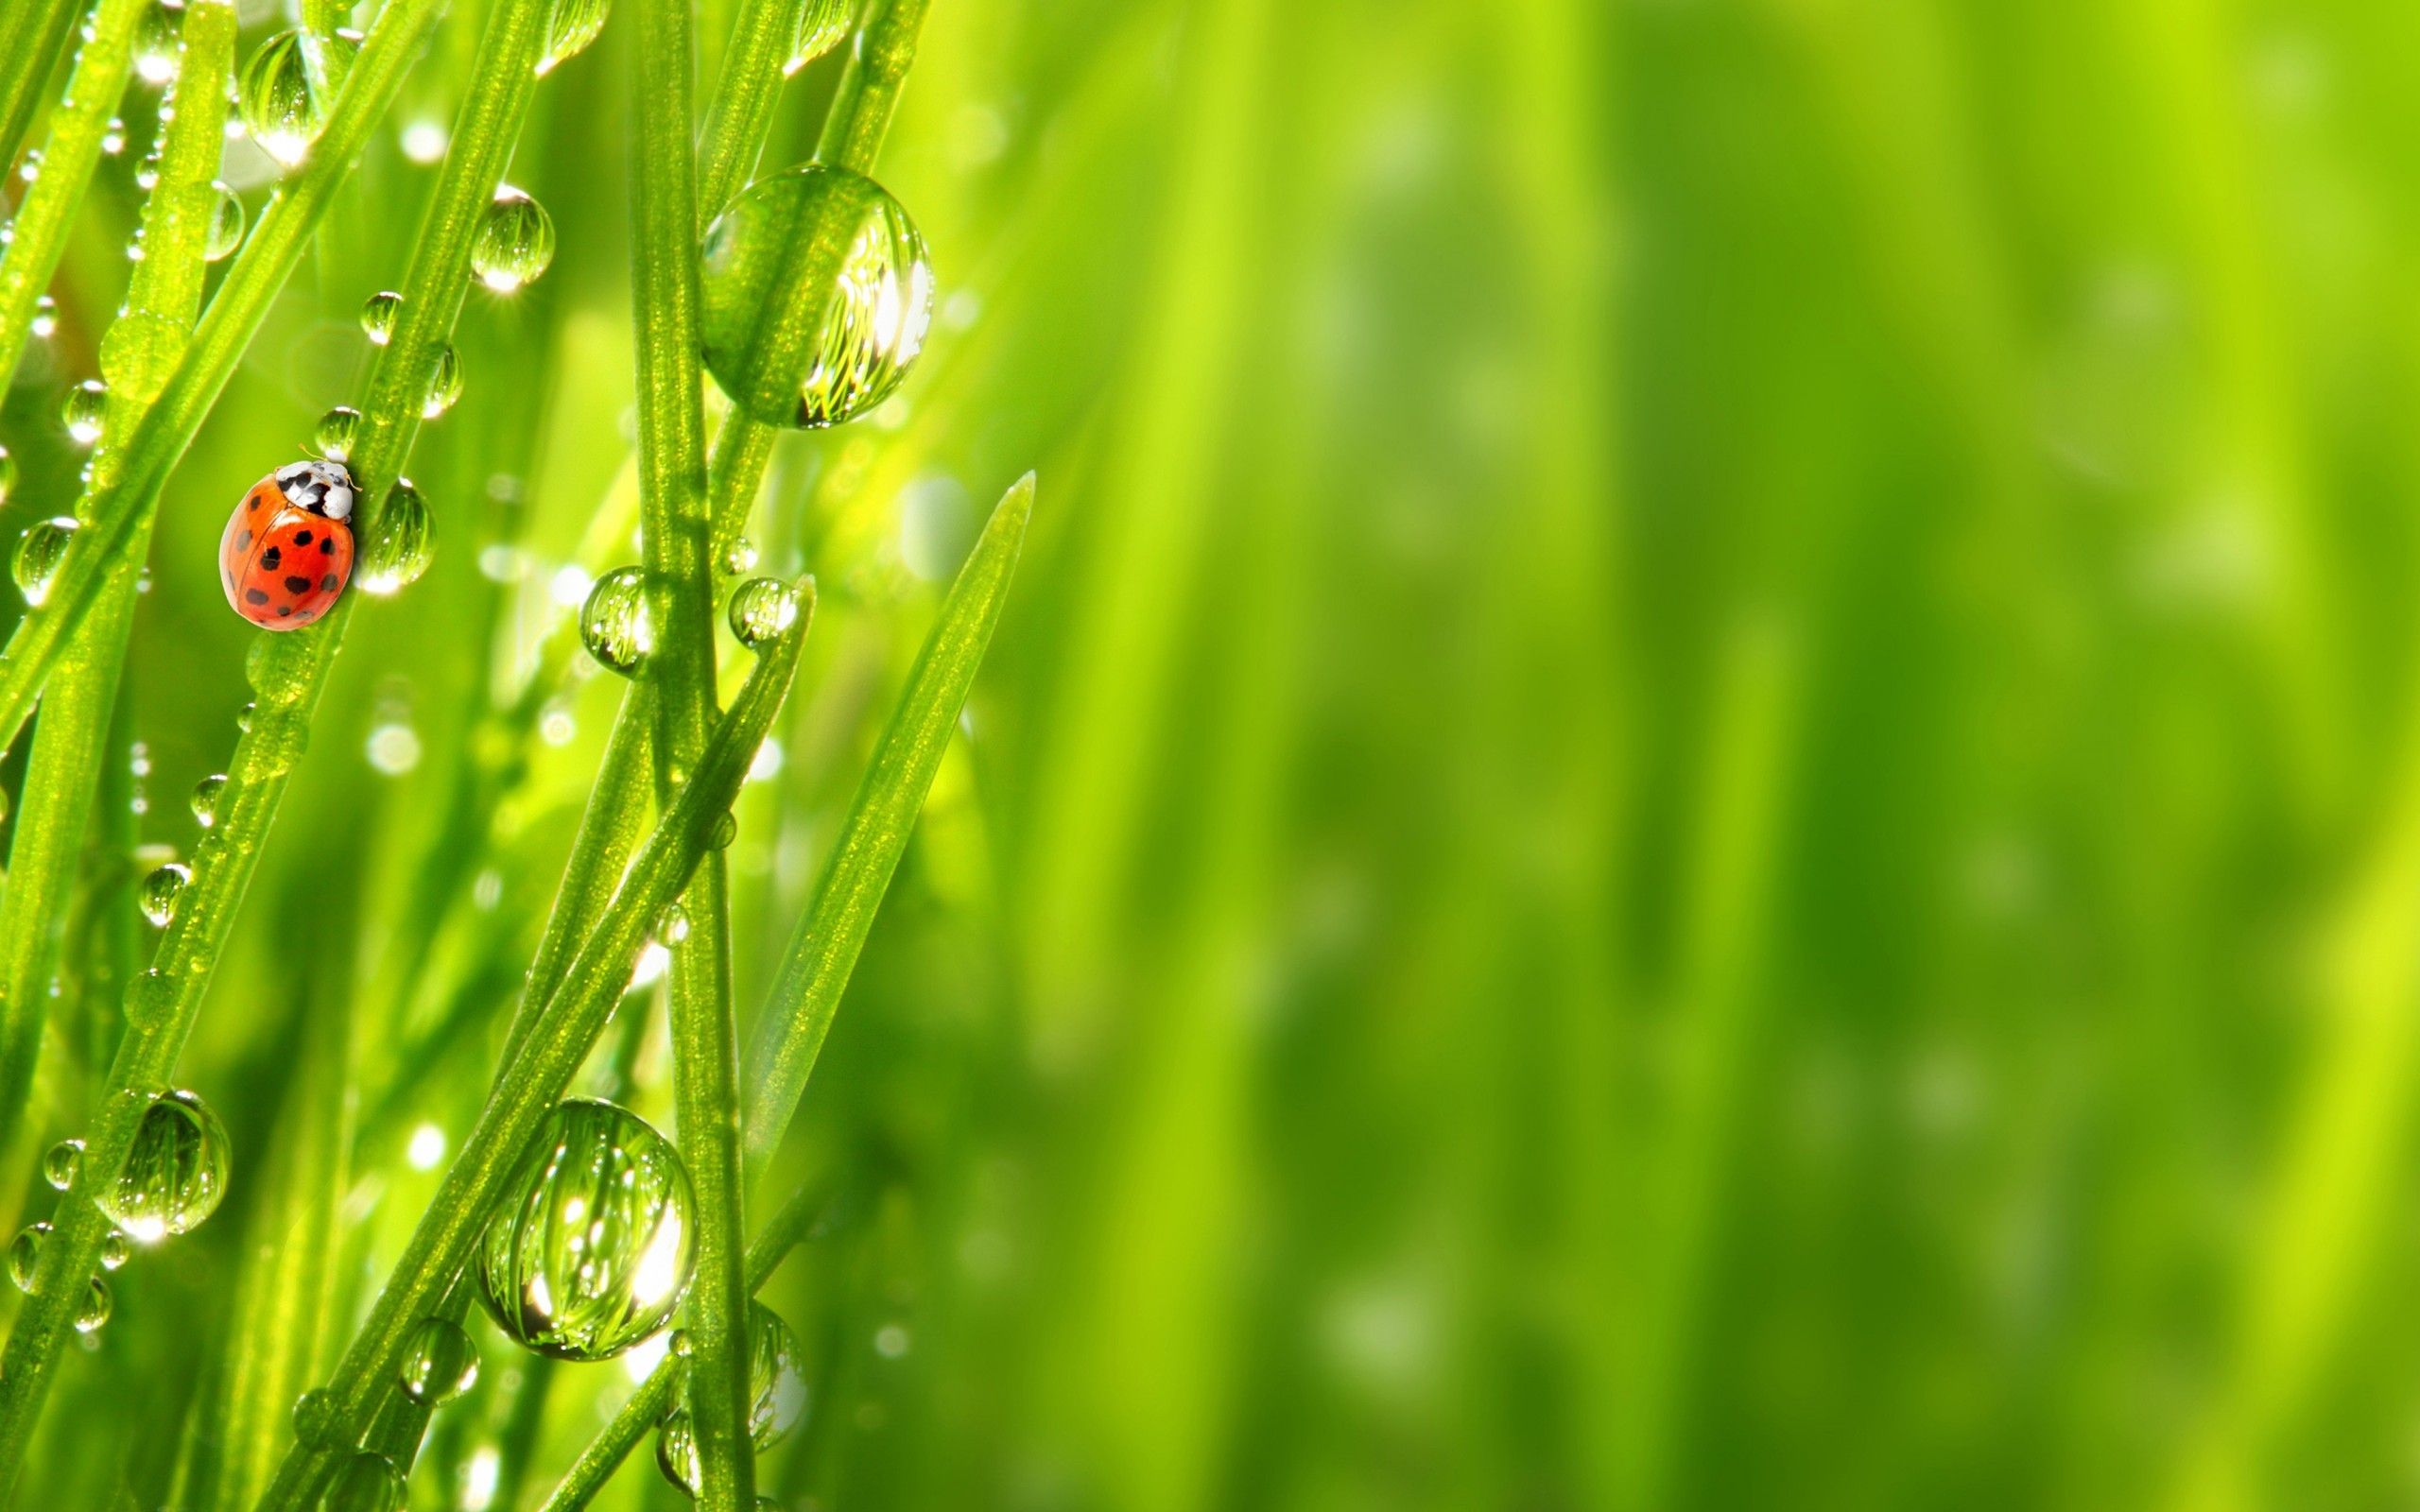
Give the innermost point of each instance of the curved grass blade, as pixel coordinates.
(31, 34)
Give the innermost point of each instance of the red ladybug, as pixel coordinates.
(287, 552)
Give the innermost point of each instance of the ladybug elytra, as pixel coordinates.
(287, 551)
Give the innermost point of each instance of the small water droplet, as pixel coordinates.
(175, 1173)
(24, 1254)
(440, 1362)
(46, 320)
(673, 927)
(7, 473)
(615, 623)
(592, 1242)
(399, 551)
(378, 314)
(244, 716)
(756, 303)
(726, 830)
(444, 384)
(761, 610)
(58, 1166)
(38, 553)
(822, 23)
(82, 410)
(114, 1250)
(95, 1310)
(287, 87)
(739, 556)
(114, 137)
(226, 230)
(315, 1417)
(205, 799)
(161, 890)
(334, 436)
(368, 1483)
(157, 42)
(570, 25)
(146, 172)
(516, 242)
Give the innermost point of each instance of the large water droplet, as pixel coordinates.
(570, 27)
(60, 1165)
(24, 1254)
(288, 85)
(226, 224)
(822, 23)
(378, 316)
(94, 1309)
(440, 1362)
(515, 243)
(614, 623)
(759, 299)
(39, 551)
(82, 410)
(157, 42)
(175, 1173)
(777, 1397)
(205, 799)
(336, 431)
(444, 384)
(591, 1246)
(161, 890)
(399, 553)
(762, 609)
(368, 1483)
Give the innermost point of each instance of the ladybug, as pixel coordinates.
(287, 551)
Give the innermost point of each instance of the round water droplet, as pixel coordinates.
(83, 411)
(614, 623)
(114, 1250)
(336, 428)
(570, 27)
(761, 295)
(288, 85)
(45, 318)
(592, 1245)
(175, 1173)
(146, 172)
(444, 385)
(226, 230)
(777, 1399)
(378, 316)
(673, 927)
(739, 556)
(315, 1417)
(205, 799)
(157, 42)
(7, 473)
(368, 1483)
(161, 889)
(762, 609)
(516, 242)
(399, 553)
(39, 551)
(114, 137)
(244, 716)
(822, 23)
(58, 1166)
(726, 830)
(439, 1364)
(24, 1254)
(95, 1309)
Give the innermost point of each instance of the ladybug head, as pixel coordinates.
(322, 487)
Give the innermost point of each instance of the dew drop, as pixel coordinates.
(244, 716)
(615, 623)
(673, 928)
(114, 137)
(161, 890)
(873, 318)
(24, 1254)
(39, 552)
(516, 241)
(60, 1165)
(205, 799)
(822, 23)
(45, 318)
(378, 316)
(82, 410)
(762, 609)
(146, 172)
(226, 230)
(570, 27)
(592, 1245)
(739, 556)
(726, 830)
(114, 1250)
(175, 1173)
(440, 1362)
(777, 1399)
(315, 1417)
(288, 85)
(399, 551)
(444, 384)
(332, 437)
(156, 41)
(368, 1483)
(95, 1310)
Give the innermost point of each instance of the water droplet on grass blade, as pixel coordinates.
(739, 556)
(726, 830)
(226, 230)
(287, 87)
(762, 609)
(157, 42)
(368, 1483)
(777, 1399)
(83, 411)
(24, 1254)
(174, 1176)
(205, 799)
(444, 384)
(60, 1165)
(114, 1250)
(378, 316)
(762, 291)
(615, 623)
(516, 241)
(315, 1417)
(95, 1310)
(592, 1245)
(440, 1362)
(46, 320)
(39, 551)
(332, 437)
(7, 473)
(399, 551)
(161, 889)
(570, 27)
(822, 23)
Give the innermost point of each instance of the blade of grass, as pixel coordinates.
(31, 35)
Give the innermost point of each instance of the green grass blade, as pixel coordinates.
(31, 34)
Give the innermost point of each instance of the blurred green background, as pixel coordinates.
(1701, 791)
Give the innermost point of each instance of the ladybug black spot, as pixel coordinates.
(269, 559)
(327, 545)
(328, 584)
(283, 610)
(302, 537)
(298, 585)
(253, 595)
